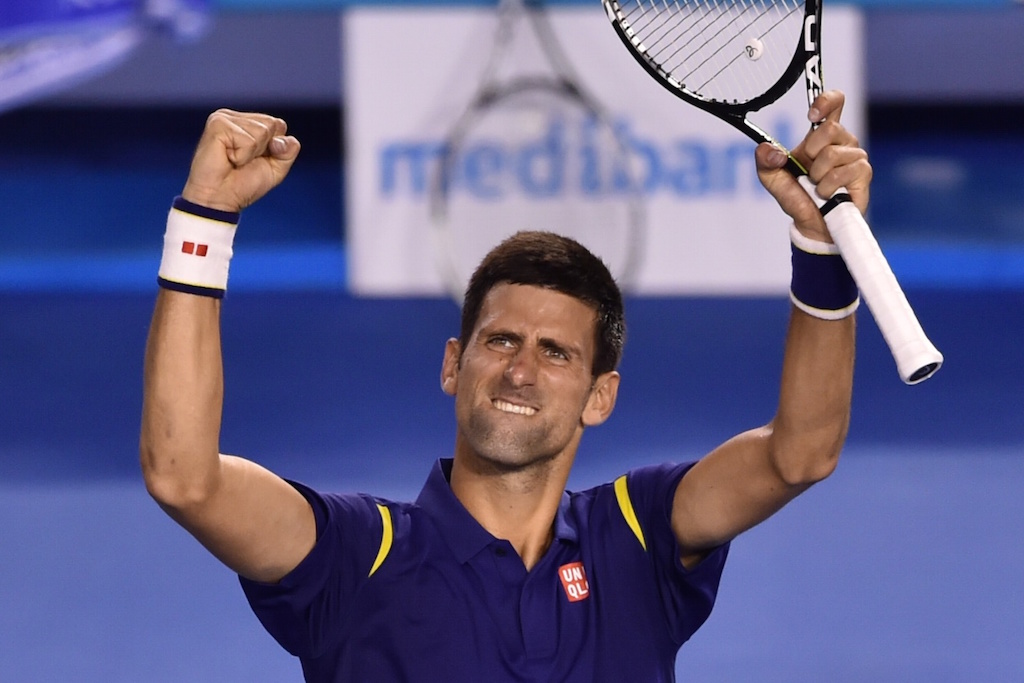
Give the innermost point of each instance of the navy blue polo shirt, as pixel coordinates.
(421, 592)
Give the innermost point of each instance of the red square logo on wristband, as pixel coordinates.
(193, 248)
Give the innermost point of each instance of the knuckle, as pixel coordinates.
(219, 115)
(831, 128)
(866, 169)
(261, 128)
(831, 155)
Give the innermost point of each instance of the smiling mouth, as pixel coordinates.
(506, 407)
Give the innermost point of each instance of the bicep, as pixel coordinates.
(252, 520)
(730, 490)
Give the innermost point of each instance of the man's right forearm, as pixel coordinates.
(183, 397)
(253, 521)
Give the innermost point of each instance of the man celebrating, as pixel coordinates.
(495, 572)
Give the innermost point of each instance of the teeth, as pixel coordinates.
(507, 407)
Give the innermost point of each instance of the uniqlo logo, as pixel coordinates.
(574, 581)
(193, 248)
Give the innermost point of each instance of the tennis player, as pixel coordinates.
(495, 573)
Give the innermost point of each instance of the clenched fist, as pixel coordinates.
(240, 157)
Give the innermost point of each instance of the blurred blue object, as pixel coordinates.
(47, 45)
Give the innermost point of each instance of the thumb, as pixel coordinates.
(770, 157)
(284, 148)
(251, 182)
(771, 163)
(282, 151)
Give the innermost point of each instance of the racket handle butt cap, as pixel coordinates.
(917, 362)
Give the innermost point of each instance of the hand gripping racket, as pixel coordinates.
(734, 57)
(533, 150)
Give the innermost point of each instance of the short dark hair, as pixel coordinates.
(544, 259)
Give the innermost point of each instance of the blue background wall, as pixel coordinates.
(902, 567)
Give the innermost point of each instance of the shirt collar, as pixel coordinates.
(460, 530)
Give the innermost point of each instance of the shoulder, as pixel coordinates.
(636, 501)
(641, 485)
(354, 522)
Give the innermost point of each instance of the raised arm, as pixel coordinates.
(753, 475)
(252, 520)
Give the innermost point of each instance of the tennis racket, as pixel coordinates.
(533, 150)
(734, 57)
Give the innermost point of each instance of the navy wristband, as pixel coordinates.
(185, 205)
(822, 285)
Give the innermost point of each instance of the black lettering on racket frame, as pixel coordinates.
(734, 57)
(534, 150)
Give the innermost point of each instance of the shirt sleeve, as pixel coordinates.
(688, 595)
(306, 609)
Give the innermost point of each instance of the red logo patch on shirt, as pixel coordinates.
(574, 581)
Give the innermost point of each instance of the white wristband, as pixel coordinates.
(197, 249)
(811, 246)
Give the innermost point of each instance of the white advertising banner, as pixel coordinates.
(710, 227)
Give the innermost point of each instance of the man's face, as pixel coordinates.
(523, 386)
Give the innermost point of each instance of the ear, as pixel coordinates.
(601, 401)
(450, 367)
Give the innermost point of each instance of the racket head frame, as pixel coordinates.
(806, 61)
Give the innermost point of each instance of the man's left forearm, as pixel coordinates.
(813, 415)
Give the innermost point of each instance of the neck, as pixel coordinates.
(518, 505)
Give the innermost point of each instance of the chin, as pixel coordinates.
(510, 447)
(504, 457)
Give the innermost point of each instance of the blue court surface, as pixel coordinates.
(902, 567)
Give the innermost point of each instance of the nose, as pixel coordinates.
(522, 368)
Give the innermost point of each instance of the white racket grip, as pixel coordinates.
(916, 357)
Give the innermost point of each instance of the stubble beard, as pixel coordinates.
(507, 448)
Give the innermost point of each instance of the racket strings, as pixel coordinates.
(660, 23)
(715, 45)
(730, 51)
(749, 29)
